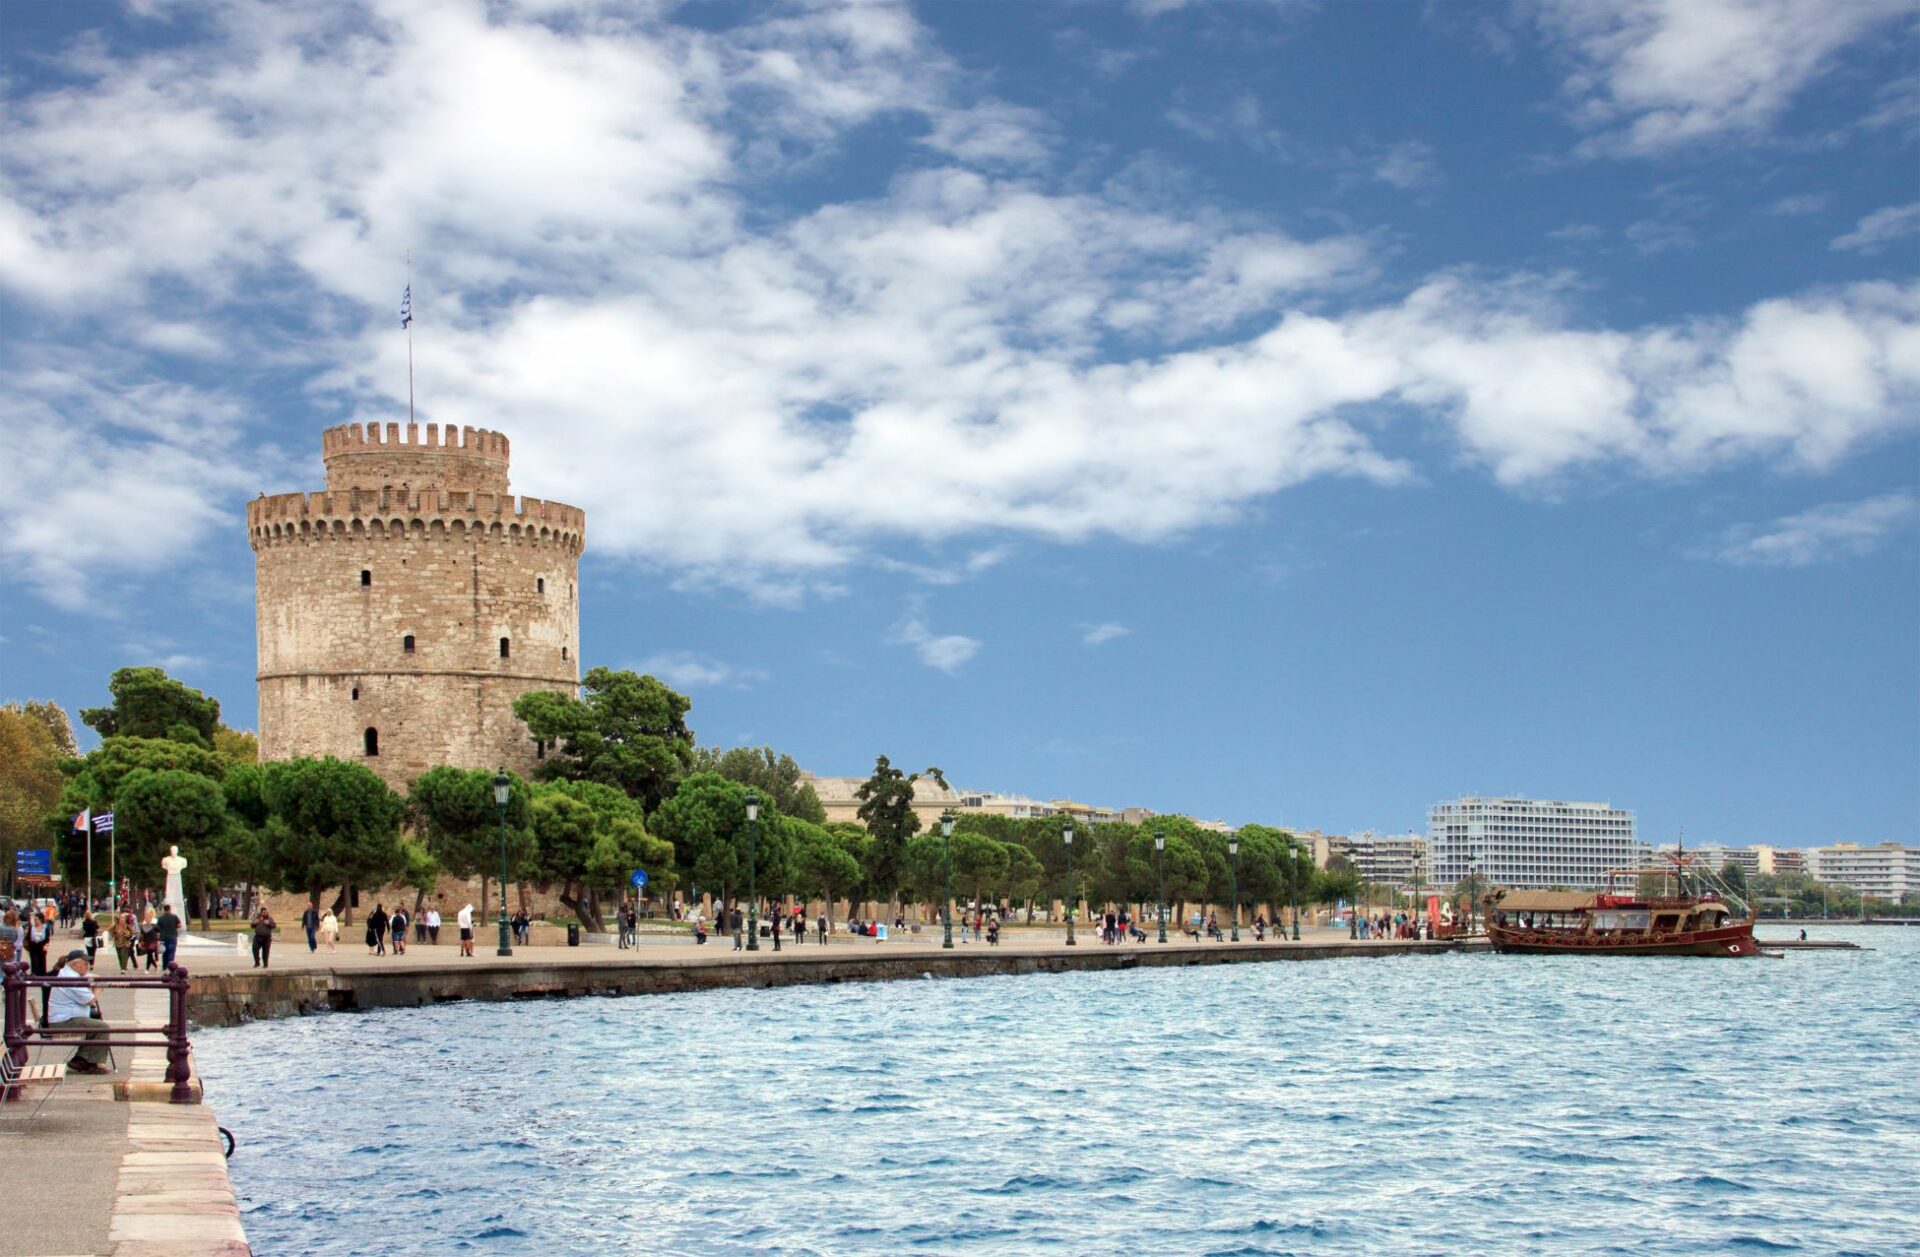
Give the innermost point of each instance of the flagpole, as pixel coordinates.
(409, 336)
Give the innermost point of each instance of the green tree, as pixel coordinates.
(419, 871)
(172, 807)
(30, 779)
(1263, 865)
(453, 809)
(1021, 879)
(236, 746)
(886, 809)
(623, 846)
(706, 821)
(822, 863)
(147, 703)
(95, 781)
(330, 823)
(626, 731)
(777, 777)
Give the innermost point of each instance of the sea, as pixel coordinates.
(1451, 1104)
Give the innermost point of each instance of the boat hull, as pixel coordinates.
(1726, 940)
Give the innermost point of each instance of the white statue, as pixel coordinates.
(175, 863)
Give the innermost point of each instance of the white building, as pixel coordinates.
(1531, 843)
(1888, 871)
(1389, 859)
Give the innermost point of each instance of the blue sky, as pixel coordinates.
(1283, 412)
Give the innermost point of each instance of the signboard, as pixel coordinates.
(33, 863)
(639, 878)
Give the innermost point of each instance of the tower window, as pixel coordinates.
(563, 652)
(539, 748)
(539, 584)
(372, 739)
(406, 644)
(356, 693)
(366, 576)
(506, 648)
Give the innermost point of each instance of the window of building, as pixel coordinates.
(563, 652)
(372, 739)
(506, 648)
(539, 748)
(539, 584)
(406, 644)
(356, 693)
(366, 576)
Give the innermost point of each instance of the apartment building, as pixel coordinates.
(1886, 871)
(1531, 843)
(1389, 859)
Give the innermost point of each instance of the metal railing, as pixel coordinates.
(24, 1032)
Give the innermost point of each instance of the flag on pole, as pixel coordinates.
(406, 307)
(82, 821)
(103, 823)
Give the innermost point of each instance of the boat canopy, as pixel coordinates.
(1711, 906)
(1544, 901)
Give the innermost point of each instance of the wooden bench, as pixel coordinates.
(46, 1077)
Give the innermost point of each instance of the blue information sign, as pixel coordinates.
(639, 878)
(33, 863)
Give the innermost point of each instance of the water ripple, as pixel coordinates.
(1416, 1105)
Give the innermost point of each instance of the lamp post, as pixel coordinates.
(946, 905)
(1233, 849)
(1160, 862)
(753, 897)
(502, 786)
(1293, 886)
(1066, 837)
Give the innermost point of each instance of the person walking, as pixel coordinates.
(734, 922)
(377, 931)
(823, 929)
(397, 927)
(310, 922)
(330, 929)
(166, 928)
(150, 937)
(263, 927)
(465, 920)
(433, 926)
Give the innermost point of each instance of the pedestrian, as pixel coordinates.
(739, 938)
(263, 927)
(166, 927)
(377, 931)
(464, 918)
(150, 937)
(330, 929)
(310, 922)
(397, 928)
(90, 934)
(823, 929)
(420, 929)
(433, 926)
(122, 932)
(13, 937)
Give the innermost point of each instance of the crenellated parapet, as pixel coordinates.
(358, 514)
(364, 456)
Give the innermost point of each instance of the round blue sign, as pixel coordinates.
(639, 877)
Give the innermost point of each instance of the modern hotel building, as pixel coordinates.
(1531, 843)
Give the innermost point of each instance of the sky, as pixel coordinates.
(1296, 413)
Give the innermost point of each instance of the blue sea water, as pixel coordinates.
(1444, 1104)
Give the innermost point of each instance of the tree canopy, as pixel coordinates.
(329, 823)
(777, 777)
(624, 730)
(31, 782)
(886, 809)
(706, 821)
(147, 703)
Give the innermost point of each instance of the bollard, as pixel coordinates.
(16, 1020)
(178, 1071)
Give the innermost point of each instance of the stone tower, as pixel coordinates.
(404, 609)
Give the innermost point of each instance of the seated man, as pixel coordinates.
(74, 1007)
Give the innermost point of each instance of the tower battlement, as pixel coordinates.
(362, 456)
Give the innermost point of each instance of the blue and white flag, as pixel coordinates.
(103, 823)
(406, 307)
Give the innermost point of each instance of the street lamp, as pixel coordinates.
(1233, 849)
(502, 785)
(946, 905)
(1293, 886)
(1066, 837)
(1160, 861)
(753, 898)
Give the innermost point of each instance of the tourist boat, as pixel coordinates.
(1621, 921)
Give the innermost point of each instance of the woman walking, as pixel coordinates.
(377, 931)
(121, 932)
(330, 929)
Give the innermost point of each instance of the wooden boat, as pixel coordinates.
(1620, 922)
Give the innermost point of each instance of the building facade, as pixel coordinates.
(1389, 859)
(1531, 843)
(401, 611)
(1886, 871)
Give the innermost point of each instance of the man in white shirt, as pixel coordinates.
(433, 925)
(465, 918)
(76, 1006)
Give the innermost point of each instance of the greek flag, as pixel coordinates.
(103, 823)
(406, 307)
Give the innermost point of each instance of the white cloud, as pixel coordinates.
(1881, 227)
(1408, 165)
(1820, 535)
(685, 669)
(947, 652)
(1100, 634)
(1798, 206)
(1654, 75)
(965, 356)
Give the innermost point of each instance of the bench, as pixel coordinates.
(18, 1078)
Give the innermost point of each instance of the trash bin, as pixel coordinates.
(573, 934)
